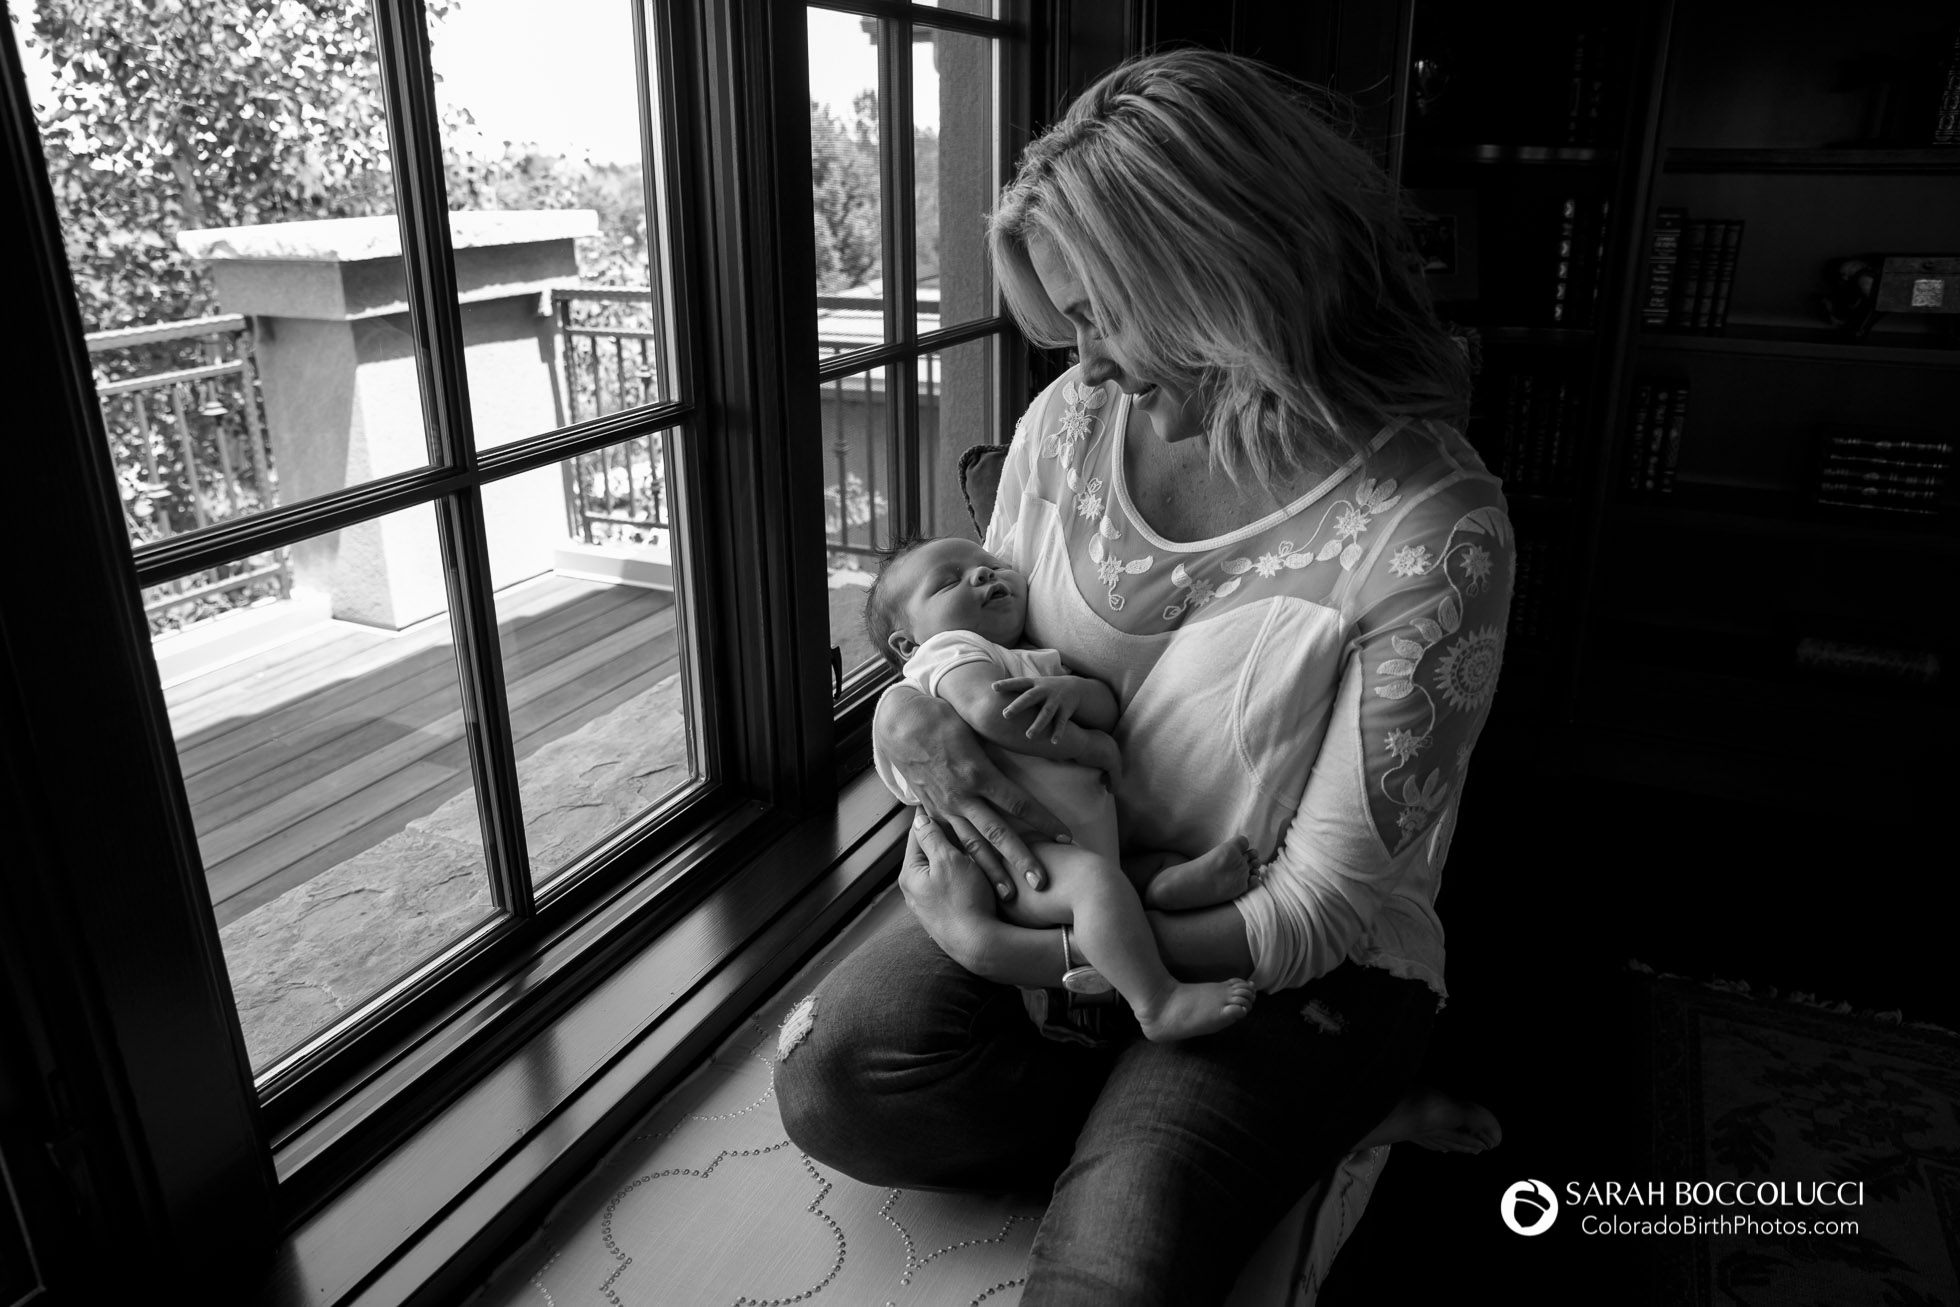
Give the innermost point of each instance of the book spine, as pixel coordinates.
(1876, 505)
(1656, 441)
(1883, 474)
(1711, 264)
(1663, 261)
(1562, 265)
(1596, 262)
(1877, 493)
(1677, 418)
(1687, 279)
(1515, 410)
(1575, 100)
(1643, 407)
(1913, 448)
(1725, 272)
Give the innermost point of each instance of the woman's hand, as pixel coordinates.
(930, 745)
(947, 893)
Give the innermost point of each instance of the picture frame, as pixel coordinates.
(1444, 225)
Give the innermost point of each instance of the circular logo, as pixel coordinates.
(1529, 1207)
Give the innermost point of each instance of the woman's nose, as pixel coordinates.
(1097, 366)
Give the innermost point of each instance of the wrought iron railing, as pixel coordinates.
(180, 402)
(609, 350)
(609, 359)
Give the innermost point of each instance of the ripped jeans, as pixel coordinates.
(1168, 1162)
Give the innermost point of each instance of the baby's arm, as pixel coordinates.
(1057, 700)
(970, 689)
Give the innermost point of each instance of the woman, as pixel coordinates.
(1244, 510)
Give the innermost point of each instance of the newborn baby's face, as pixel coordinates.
(955, 585)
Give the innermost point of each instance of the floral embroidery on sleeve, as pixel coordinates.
(1078, 423)
(1439, 674)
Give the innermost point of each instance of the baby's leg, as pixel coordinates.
(1218, 876)
(1116, 939)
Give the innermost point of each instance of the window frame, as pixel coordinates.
(121, 977)
(855, 692)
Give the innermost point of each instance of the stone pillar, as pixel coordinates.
(343, 402)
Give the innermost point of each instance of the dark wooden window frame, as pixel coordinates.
(398, 1164)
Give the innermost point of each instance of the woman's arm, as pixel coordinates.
(924, 740)
(1414, 692)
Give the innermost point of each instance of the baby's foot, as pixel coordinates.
(1192, 1010)
(1215, 877)
(1434, 1119)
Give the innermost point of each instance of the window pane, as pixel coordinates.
(542, 151)
(980, 8)
(215, 168)
(859, 501)
(592, 666)
(847, 195)
(954, 117)
(957, 410)
(320, 732)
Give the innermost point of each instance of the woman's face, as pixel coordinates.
(1174, 412)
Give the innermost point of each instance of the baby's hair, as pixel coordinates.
(881, 610)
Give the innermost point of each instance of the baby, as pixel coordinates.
(950, 616)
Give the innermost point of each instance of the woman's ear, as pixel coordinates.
(902, 644)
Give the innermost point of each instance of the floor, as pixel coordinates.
(1555, 882)
(304, 755)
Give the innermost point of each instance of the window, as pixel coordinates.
(908, 141)
(427, 436)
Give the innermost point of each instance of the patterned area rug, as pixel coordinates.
(708, 1202)
(1753, 1088)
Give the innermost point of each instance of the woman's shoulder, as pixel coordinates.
(1437, 474)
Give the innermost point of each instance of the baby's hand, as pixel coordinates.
(1059, 698)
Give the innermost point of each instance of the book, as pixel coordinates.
(1563, 248)
(1517, 409)
(1725, 272)
(1671, 455)
(1688, 277)
(1663, 258)
(1643, 408)
(1655, 443)
(1596, 263)
(1576, 94)
(1916, 666)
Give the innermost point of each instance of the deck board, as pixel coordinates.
(319, 757)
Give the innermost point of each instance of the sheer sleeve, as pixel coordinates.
(1015, 472)
(1428, 608)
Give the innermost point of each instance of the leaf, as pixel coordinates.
(1329, 549)
(1384, 505)
(1450, 613)
(1179, 576)
(1363, 493)
(1407, 648)
(1226, 588)
(1237, 566)
(1395, 689)
(1108, 530)
(1491, 521)
(1411, 792)
(1349, 557)
(1096, 550)
(1074, 481)
(1397, 667)
(1138, 566)
(1427, 629)
(1294, 562)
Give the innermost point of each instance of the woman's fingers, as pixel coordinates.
(982, 853)
(1003, 844)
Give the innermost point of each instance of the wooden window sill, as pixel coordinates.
(439, 1210)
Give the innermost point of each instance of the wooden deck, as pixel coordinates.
(301, 756)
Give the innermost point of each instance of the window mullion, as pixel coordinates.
(408, 86)
(901, 284)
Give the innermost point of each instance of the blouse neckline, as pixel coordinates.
(1120, 490)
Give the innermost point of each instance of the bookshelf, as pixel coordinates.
(1701, 616)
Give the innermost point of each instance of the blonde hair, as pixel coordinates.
(1241, 247)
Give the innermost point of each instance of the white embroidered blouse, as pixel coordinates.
(1314, 680)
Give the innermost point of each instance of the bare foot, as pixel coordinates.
(1192, 1010)
(1434, 1119)
(1215, 877)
